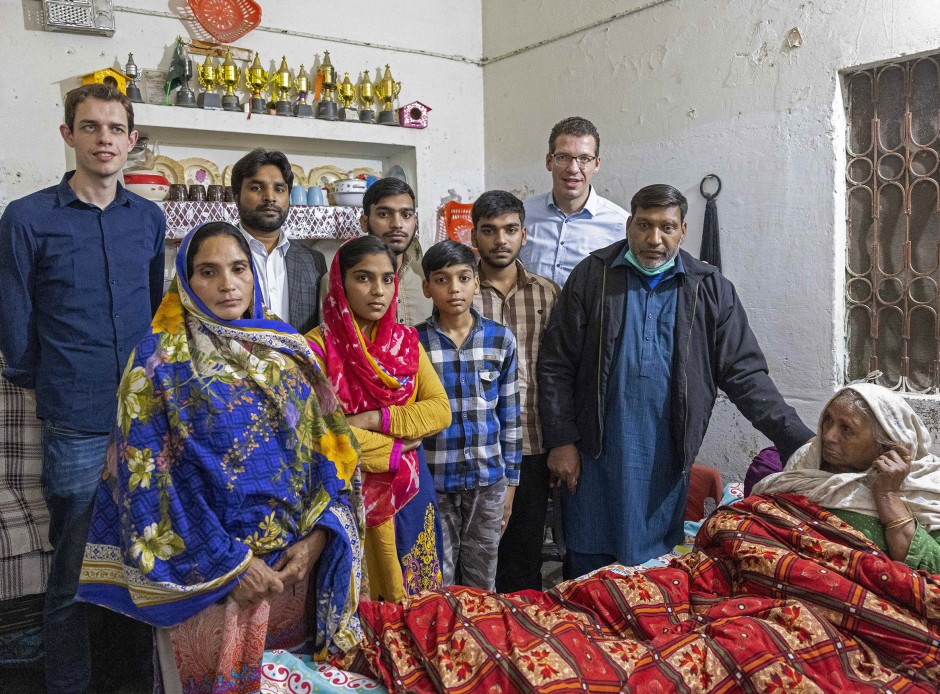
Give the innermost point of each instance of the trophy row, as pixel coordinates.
(335, 103)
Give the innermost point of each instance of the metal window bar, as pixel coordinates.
(893, 222)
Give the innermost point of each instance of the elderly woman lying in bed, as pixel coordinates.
(779, 594)
(870, 465)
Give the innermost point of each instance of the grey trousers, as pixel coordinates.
(470, 520)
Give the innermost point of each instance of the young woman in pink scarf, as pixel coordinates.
(393, 398)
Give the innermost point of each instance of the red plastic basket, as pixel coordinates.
(454, 222)
(226, 20)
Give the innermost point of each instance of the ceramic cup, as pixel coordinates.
(178, 192)
(228, 195)
(315, 196)
(197, 192)
(214, 192)
(298, 195)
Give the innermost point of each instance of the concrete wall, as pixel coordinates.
(42, 65)
(685, 88)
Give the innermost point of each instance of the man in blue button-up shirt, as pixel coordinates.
(571, 220)
(81, 273)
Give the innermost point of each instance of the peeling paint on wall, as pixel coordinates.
(927, 409)
(745, 67)
(794, 39)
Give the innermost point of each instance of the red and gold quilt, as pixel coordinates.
(778, 596)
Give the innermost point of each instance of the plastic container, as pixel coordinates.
(147, 184)
(348, 192)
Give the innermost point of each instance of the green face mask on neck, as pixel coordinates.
(630, 258)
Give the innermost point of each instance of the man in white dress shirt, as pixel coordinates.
(571, 220)
(289, 273)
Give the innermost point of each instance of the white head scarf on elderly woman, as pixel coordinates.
(851, 491)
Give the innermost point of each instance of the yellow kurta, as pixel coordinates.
(427, 412)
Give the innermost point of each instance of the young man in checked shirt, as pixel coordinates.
(475, 461)
(523, 302)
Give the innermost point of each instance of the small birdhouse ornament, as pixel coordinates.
(108, 75)
(413, 115)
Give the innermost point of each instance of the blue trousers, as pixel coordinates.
(72, 462)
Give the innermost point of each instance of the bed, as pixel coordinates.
(776, 595)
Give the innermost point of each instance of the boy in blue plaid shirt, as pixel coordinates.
(475, 461)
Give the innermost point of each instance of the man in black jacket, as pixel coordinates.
(641, 339)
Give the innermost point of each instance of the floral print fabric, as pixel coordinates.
(231, 445)
(778, 596)
(285, 673)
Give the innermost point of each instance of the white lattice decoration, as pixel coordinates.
(302, 222)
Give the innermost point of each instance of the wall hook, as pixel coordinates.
(701, 188)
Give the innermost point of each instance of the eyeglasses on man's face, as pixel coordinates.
(563, 161)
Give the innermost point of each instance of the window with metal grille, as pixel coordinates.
(893, 224)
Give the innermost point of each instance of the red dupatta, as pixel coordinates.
(369, 374)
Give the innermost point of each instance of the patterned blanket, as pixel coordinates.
(778, 596)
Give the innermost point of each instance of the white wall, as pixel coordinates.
(678, 90)
(43, 65)
(687, 88)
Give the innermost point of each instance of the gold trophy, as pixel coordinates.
(209, 76)
(346, 92)
(387, 89)
(302, 86)
(282, 80)
(366, 98)
(229, 76)
(256, 78)
(326, 106)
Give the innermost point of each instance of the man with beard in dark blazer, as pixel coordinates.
(289, 272)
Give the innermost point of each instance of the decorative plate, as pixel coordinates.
(170, 168)
(300, 177)
(364, 171)
(199, 170)
(227, 175)
(325, 175)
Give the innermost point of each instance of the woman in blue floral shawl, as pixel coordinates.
(236, 485)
